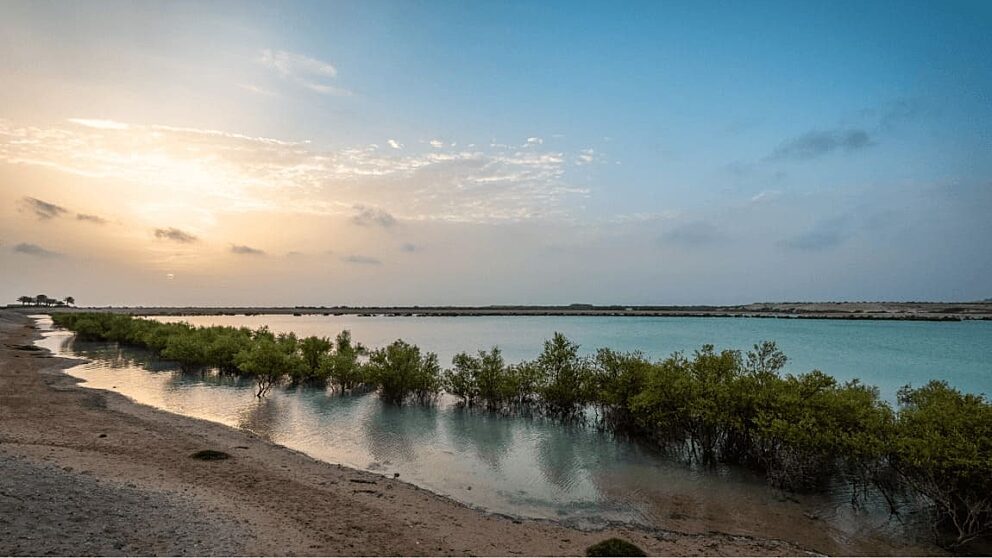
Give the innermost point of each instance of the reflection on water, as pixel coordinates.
(260, 417)
(520, 466)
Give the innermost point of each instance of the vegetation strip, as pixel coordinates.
(799, 430)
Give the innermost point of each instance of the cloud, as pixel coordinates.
(695, 233)
(246, 250)
(99, 123)
(224, 171)
(408, 247)
(394, 144)
(372, 216)
(765, 195)
(361, 260)
(256, 89)
(585, 157)
(175, 235)
(303, 70)
(48, 210)
(825, 235)
(534, 141)
(35, 250)
(95, 219)
(43, 209)
(821, 142)
(325, 89)
(436, 143)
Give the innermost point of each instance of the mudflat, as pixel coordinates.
(90, 472)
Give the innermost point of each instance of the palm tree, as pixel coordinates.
(25, 300)
(69, 300)
(42, 299)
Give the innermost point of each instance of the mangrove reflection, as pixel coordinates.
(394, 433)
(260, 417)
(487, 436)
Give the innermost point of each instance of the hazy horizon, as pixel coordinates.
(442, 153)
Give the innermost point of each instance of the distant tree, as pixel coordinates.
(69, 300)
(25, 300)
(42, 300)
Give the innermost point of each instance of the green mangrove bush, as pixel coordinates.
(343, 366)
(942, 448)
(400, 371)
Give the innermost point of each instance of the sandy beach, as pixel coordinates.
(91, 472)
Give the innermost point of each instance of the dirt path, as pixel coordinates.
(91, 472)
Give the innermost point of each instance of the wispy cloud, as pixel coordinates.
(35, 250)
(256, 89)
(409, 247)
(307, 72)
(216, 170)
(43, 209)
(175, 235)
(394, 144)
(372, 216)
(765, 195)
(246, 250)
(361, 260)
(821, 142)
(99, 123)
(585, 157)
(95, 219)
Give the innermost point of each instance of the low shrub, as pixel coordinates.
(400, 371)
(943, 450)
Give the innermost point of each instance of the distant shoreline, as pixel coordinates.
(910, 311)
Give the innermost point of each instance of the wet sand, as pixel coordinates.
(91, 472)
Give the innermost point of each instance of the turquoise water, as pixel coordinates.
(539, 468)
(888, 354)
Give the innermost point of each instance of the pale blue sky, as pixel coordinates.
(500, 152)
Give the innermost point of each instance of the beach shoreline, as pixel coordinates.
(92, 472)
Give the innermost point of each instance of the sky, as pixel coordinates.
(473, 153)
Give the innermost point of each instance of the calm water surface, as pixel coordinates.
(536, 468)
(888, 354)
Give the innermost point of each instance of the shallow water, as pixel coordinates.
(514, 465)
(888, 354)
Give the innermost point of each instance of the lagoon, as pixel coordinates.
(530, 467)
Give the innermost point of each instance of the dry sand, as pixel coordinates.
(91, 472)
